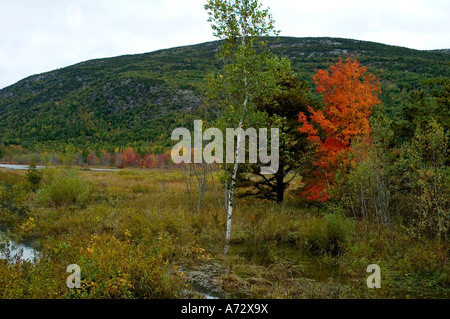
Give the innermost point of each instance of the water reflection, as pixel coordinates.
(12, 251)
(18, 167)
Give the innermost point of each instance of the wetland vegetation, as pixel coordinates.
(132, 239)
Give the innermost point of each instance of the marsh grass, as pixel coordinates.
(130, 236)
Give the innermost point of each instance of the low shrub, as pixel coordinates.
(120, 269)
(329, 234)
(64, 188)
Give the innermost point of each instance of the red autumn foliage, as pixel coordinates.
(92, 159)
(163, 159)
(349, 93)
(130, 158)
(146, 161)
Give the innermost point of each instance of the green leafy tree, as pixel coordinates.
(247, 74)
(370, 188)
(427, 176)
(431, 101)
(70, 155)
(34, 176)
(295, 151)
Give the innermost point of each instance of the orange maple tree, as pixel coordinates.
(349, 93)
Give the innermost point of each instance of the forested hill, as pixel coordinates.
(135, 99)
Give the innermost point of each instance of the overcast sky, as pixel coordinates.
(43, 35)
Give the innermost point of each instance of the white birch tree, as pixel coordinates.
(249, 72)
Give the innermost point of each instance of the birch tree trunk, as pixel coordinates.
(234, 20)
(231, 191)
(236, 151)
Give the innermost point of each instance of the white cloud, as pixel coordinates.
(40, 36)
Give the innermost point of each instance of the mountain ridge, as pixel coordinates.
(441, 51)
(139, 98)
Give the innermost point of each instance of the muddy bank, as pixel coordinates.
(242, 270)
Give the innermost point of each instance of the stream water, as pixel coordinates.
(25, 251)
(18, 167)
(21, 167)
(9, 248)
